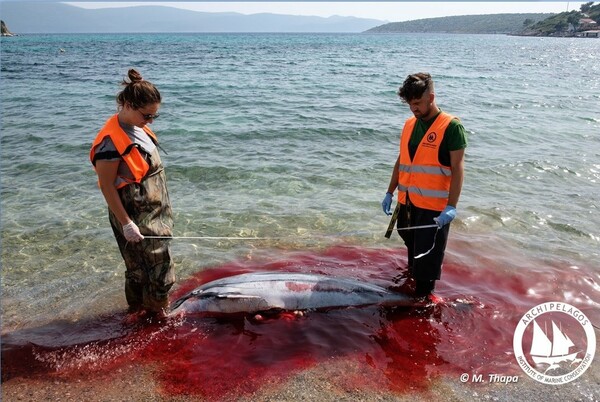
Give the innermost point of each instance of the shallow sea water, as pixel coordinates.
(292, 138)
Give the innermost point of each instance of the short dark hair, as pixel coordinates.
(137, 92)
(415, 85)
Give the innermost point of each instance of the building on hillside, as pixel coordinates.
(587, 24)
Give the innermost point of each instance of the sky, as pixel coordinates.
(385, 11)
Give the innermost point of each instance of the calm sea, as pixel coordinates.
(292, 137)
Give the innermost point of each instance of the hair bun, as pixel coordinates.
(137, 92)
(134, 76)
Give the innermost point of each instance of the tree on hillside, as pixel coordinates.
(585, 8)
(560, 26)
(528, 22)
(594, 12)
(573, 19)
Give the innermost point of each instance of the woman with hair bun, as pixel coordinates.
(133, 183)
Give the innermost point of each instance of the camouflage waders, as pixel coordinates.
(150, 271)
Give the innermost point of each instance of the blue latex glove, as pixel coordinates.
(447, 215)
(386, 204)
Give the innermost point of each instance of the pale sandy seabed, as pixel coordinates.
(138, 383)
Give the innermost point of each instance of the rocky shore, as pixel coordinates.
(4, 30)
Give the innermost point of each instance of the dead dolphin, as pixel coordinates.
(266, 291)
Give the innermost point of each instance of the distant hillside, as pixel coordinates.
(566, 23)
(4, 29)
(464, 24)
(49, 17)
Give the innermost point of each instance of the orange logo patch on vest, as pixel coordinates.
(430, 141)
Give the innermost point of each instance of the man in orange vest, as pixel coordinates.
(429, 175)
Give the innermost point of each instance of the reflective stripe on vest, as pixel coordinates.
(126, 148)
(424, 178)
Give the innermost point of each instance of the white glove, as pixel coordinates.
(132, 232)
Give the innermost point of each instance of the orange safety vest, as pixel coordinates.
(424, 178)
(127, 149)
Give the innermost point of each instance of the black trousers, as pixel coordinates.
(419, 241)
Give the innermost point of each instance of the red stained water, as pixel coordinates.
(399, 349)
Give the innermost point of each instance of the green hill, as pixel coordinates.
(465, 24)
(564, 24)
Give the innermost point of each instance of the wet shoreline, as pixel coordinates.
(136, 383)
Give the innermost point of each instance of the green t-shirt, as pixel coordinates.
(455, 138)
